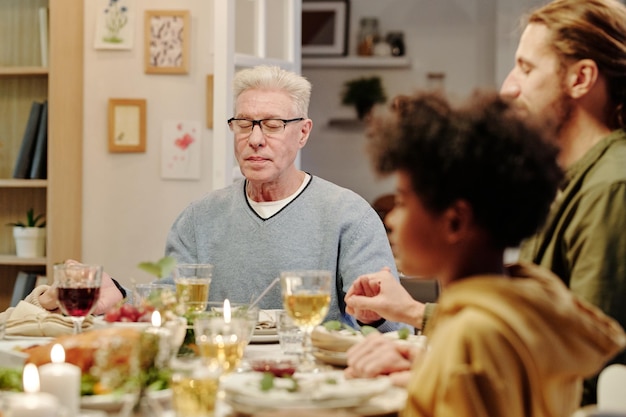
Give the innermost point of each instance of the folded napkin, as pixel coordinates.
(267, 319)
(27, 319)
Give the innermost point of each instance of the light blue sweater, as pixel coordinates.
(325, 227)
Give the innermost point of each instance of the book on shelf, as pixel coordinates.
(39, 165)
(24, 284)
(27, 148)
(43, 35)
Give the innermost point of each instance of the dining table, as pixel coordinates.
(386, 405)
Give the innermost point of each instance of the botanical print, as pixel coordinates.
(166, 41)
(114, 24)
(181, 150)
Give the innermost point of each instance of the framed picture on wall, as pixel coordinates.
(325, 28)
(167, 38)
(127, 125)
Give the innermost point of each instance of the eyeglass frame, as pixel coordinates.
(259, 121)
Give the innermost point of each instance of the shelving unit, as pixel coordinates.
(22, 81)
(356, 62)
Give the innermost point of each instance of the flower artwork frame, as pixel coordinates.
(325, 28)
(181, 149)
(115, 24)
(167, 37)
(127, 125)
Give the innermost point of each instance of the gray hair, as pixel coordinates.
(265, 77)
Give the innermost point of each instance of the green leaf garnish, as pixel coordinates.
(267, 381)
(403, 333)
(333, 325)
(368, 329)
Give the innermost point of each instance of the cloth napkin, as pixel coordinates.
(27, 319)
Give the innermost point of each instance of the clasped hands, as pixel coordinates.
(110, 295)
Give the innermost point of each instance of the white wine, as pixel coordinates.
(226, 355)
(307, 310)
(193, 292)
(194, 396)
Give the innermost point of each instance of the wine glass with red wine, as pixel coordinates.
(78, 290)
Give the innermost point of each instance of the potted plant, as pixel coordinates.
(363, 93)
(30, 236)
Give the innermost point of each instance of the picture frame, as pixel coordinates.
(167, 37)
(325, 28)
(127, 125)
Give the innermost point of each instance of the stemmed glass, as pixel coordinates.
(78, 290)
(306, 298)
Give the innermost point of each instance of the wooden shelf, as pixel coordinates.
(14, 260)
(23, 71)
(356, 62)
(19, 183)
(345, 123)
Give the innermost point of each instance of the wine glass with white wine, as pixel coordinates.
(306, 298)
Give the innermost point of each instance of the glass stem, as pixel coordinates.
(78, 324)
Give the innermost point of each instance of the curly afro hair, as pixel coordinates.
(482, 152)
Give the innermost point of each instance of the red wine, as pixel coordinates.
(78, 302)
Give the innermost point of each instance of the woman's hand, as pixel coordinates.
(378, 355)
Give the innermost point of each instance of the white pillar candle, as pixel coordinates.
(163, 337)
(32, 403)
(62, 380)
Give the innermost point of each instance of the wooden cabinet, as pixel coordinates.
(23, 79)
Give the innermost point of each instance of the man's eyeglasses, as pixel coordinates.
(268, 126)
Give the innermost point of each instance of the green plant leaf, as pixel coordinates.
(161, 268)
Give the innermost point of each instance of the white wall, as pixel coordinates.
(471, 41)
(128, 208)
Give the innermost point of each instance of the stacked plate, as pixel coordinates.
(330, 346)
(265, 330)
(315, 391)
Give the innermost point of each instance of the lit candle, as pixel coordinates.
(163, 336)
(62, 380)
(226, 311)
(32, 403)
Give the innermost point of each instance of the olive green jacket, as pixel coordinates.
(584, 239)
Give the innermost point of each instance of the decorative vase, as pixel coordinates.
(30, 242)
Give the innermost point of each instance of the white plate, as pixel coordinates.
(243, 391)
(264, 338)
(99, 322)
(107, 402)
(330, 357)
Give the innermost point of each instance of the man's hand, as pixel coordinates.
(380, 294)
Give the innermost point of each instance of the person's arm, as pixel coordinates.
(380, 295)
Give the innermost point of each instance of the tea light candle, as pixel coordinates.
(32, 403)
(62, 380)
(163, 337)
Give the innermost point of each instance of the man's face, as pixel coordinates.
(265, 158)
(416, 233)
(536, 83)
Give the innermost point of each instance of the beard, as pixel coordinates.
(561, 114)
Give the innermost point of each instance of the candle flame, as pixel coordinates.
(226, 311)
(156, 318)
(57, 354)
(30, 378)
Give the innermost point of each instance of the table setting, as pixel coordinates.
(197, 358)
